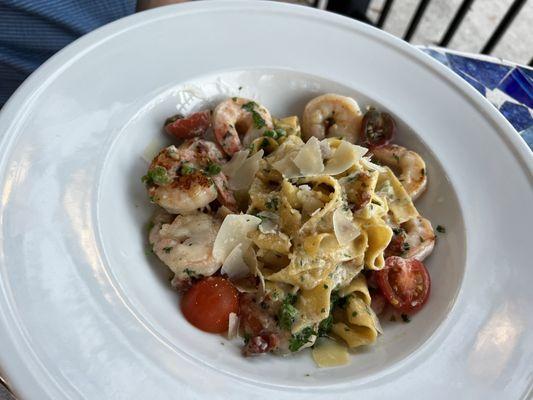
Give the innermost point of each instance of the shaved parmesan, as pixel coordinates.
(344, 227)
(345, 156)
(287, 168)
(234, 266)
(233, 325)
(235, 163)
(233, 231)
(309, 158)
(328, 353)
(325, 149)
(365, 161)
(243, 176)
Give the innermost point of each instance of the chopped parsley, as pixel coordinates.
(247, 338)
(271, 133)
(186, 169)
(325, 325)
(213, 169)
(396, 158)
(441, 229)
(354, 314)
(405, 318)
(190, 273)
(272, 204)
(281, 132)
(326, 286)
(167, 249)
(301, 338)
(157, 175)
(259, 122)
(287, 313)
(406, 246)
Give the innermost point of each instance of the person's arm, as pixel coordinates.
(147, 4)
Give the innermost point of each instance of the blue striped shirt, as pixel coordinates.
(33, 30)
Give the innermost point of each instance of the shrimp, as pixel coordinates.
(332, 115)
(420, 238)
(185, 178)
(413, 239)
(185, 244)
(238, 117)
(409, 166)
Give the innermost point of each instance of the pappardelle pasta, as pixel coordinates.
(291, 236)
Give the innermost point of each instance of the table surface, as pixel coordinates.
(509, 87)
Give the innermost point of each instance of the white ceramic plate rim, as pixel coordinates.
(15, 359)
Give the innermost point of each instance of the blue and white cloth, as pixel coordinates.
(509, 87)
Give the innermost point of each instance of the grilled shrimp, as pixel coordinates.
(185, 244)
(420, 237)
(413, 239)
(332, 115)
(408, 165)
(238, 117)
(185, 178)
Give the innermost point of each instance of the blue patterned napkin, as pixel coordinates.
(509, 87)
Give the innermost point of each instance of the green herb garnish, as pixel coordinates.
(157, 175)
(441, 229)
(246, 338)
(167, 249)
(405, 318)
(270, 133)
(213, 169)
(272, 204)
(259, 122)
(287, 313)
(301, 338)
(186, 169)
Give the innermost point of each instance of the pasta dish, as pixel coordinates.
(289, 235)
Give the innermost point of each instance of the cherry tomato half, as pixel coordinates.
(405, 283)
(378, 128)
(209, 302)
(195, 125)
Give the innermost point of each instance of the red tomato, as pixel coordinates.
(378, 128)
(194, 125)
(209, 302)
(405, 283)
